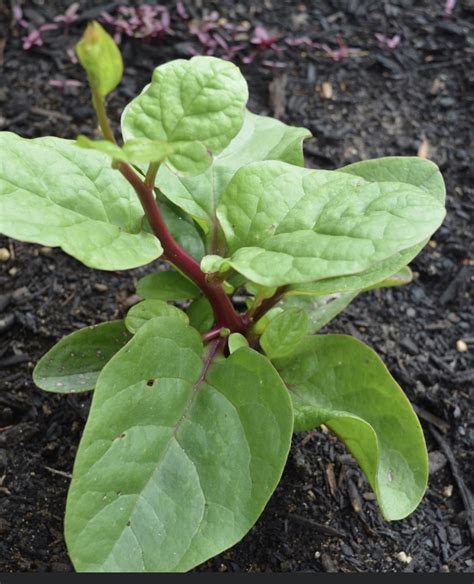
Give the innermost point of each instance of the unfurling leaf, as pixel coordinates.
(340, 382)
(101, 58)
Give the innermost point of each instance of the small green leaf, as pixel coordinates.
(74, 363)
(201, 315)
(56, 194)
(167, 285)
(101, 58)
(287, 225)
(214, 263)
(237, 341)
(284, 333)
(183, 229)
(261, 138)
(195, 105)
(340, 382)
(144, 311)
(180, 454)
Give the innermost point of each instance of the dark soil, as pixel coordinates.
(384, 102)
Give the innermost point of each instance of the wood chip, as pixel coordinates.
(424, 148)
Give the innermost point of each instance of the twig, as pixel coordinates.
(61, 473)
(466, 494)
(318, 526)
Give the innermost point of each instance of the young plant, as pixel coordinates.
(195, 402)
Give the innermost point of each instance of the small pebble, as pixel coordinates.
(13, 271)
(461, 346)
(45, 250)
(404, 558)
(101, 287)
(4, 254)
(448, 491)
(326, 90)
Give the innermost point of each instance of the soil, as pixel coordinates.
(374, 101)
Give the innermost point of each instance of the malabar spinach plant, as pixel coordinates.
(195, 402)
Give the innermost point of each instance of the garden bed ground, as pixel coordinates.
(373, 102)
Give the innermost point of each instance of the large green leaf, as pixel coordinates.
(179, 456)
(167, 285)
(261, 138)
(74, 363)
(144, 311)
(56, 194)
(284, 333)
(286, 224)
(190, 105)
(413, 171)
(340, 382)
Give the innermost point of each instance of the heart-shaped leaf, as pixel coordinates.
(74, 364)
(144, 311)
(340, 382)
(167, 285)
(261, 138)
(286, 224)
(196, 106)
(180, 454)
(56, 194)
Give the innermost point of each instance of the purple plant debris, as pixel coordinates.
(143, 22)
(385, 41)
(213, 34)
(449, 7)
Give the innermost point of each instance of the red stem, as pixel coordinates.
(225, 314)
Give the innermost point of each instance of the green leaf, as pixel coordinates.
(284, 333)
(184, 230)
(413, 171)
(179, 456)
(134, 151)
(320, 310)
(144, 311)
(410, 170)
(237, 341)
(340, 382)
(326, 287)
(167, 285)
(401, 278)
(74, 363)
(201, 315)
(201, 100)
(101, 58)
(261, 138)
(56, 194)
(287, 225)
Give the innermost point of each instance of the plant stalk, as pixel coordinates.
(99, 107)
(224, 311)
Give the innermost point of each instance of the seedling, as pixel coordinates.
(194, 401)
